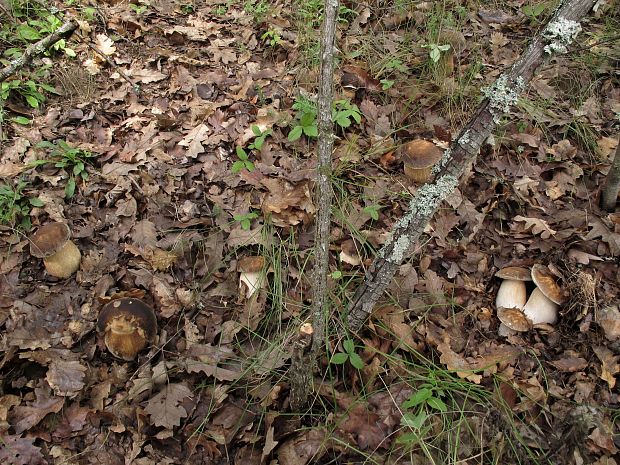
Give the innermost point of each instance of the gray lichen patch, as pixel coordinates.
(442, 162)
(503, 94)
(560, 33)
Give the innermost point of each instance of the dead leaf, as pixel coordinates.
(16, 450)
(164, 408)
(66, 377)
(608, 318)
(609, 365)
(539, 227)
(25, 417)
(570, 364)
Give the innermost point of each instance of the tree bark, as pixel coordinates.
(38, 48)
(320, 311)
(612, 183)
(461, 155)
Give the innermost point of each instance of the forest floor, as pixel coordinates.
(206, 161)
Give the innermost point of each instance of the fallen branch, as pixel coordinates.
(38, 48)
(557, 35)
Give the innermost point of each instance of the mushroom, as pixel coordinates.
(128, 325)
(545, 301)
(514, 319)
(419, 156)
(251, 273)
(512, 292)
(540, 309)
(60, 255)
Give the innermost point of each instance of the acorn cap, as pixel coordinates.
(49, 239)
(128, 325)
(515, 273)
(514, 319)
(421, 153)
(545, 281)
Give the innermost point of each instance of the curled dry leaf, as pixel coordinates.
(66, 378)
(165, 409)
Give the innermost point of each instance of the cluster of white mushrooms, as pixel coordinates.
(515, 310)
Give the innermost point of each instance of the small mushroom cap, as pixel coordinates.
(514, 319)
(49, 239)
(128, 325)
(515, 273)
(545, 281)
(421, 153)
(251, 264)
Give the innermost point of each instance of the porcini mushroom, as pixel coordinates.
(512, 292)
(545, 281)
(540, 309)
(60, 255)
(514, 319)
(419, 156)
(128, 325)
(251, 271)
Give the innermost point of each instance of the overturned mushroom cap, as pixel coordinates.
(128, 325)
(545, 281)
(60, 255)
(540, 309)
(514, 319)
(515, 273)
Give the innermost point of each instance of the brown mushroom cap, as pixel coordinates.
(545, 281)
(128, 324)
(251, 264)
(514, 319)
(49, 239)
(421, 153)
(514, 273)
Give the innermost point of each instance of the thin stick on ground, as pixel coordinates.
(561, 30)
(38, 48)
(612, 183)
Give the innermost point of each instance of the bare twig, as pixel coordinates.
(560, 31)
(612, 183)
(38, 48)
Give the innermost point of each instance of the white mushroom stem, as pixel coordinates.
(539, 309)
(511, 294)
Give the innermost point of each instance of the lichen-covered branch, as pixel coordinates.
(559, 33)
(38, 48)
(612, 183)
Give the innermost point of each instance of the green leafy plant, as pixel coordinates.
(258, 9)
(386, 84)
(243, 162)
(15, 205)
(245, 220)
(427, 399)
(271, 37)
(336, 274)
(188, 8)
(258, 142)
(534, 11)
(28, 89)
(349, 354)
(344, 112)
(305, 122)
(139, 8)
(435, 50)
(72, 160)
(373, 211)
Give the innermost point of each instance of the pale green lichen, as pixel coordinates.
(437, 167)
(422, 206)
(560, 33)
(502, 95)
(465, 138)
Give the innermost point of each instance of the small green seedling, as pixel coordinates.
(72, 160)
(257, 144)
(345, 112)
(15, 206)
(534, 11)
(427, 399)
(336, 274)
(349, 354)
(305, 125)
(29, 90)
(245, 220)
(435, 51)
(386, 84)
(243, 162)
(271, 37)
(372, 211)
(139, 9)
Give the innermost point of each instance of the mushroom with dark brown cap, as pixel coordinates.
(60, 255)
(128, 325)
(419, 156)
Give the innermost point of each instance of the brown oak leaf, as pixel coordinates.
(165, 409)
